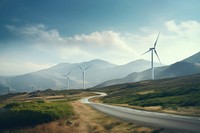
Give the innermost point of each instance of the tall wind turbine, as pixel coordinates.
(153, 49)
(83, 73)
(68, 79)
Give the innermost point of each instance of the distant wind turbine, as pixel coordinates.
(153, 50)
(83, 73)
(8, 89)
(68, 79)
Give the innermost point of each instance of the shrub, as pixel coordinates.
(32, 113)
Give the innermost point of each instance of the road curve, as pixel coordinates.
(186, 123)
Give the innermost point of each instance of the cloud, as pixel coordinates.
(106, 44)
(182, 39)
(185, 27)
(38, 32)
(177, 41)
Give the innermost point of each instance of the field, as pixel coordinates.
(175, 95)
(59, 111)
(23, 110)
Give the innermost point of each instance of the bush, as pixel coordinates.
(169, 106)
(28, 114)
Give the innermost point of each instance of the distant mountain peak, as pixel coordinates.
(94, 61)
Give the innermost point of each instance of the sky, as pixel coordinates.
(37, 34)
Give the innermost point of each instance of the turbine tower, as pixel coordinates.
(68, 79)
(8, 89)
(153, 50)
(83, 74)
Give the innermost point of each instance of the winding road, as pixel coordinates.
(185, 123)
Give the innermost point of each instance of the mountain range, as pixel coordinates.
(100, 74)
(100, 71)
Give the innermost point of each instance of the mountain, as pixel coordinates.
(134, 66)
(188, 66)
(180, 69)
(133, 77)
(54, 78)
(101, 73)
(193, 59)
(175, 70)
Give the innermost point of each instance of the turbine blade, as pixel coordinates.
(147, 51)
(80, 67)
(88, 67)
(69, 71)
(156, 39)
(157, 56)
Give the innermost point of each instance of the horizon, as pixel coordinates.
(35, 35)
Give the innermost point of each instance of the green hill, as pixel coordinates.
(167, 93)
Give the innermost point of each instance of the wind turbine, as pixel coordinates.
(153, 49)
(83, 73)
(8, 89)
(68, 79)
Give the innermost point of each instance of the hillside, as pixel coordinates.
(171, 93)
(193, 59)
(133, 77)
(179, 69)
(134, 66)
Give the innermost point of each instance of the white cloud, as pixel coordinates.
(183, 40)
(103, 44)
(39, 32)
(185, 27)
(177, 41)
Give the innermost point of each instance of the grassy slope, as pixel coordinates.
(167, 93)
(23, 110)
(88, 120)
(32, 113)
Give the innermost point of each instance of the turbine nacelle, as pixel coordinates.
(68, 79)
(151, 49)
(83, 72)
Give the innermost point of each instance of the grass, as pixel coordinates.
(47, 109)
(88, 120)
(92, 121)
(18, 115)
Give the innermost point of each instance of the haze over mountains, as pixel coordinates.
(100, 74)
(54, 78)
